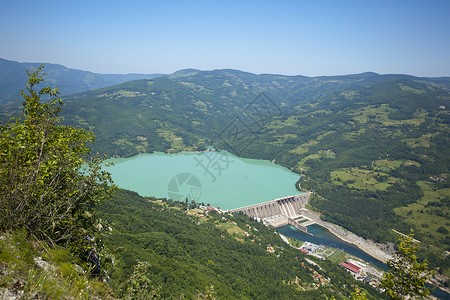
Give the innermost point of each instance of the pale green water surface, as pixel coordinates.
(220, 179)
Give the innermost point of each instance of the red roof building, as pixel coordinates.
(304, 251)
(349, 266)
(353, 265)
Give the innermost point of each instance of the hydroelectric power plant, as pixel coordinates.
(280, 212)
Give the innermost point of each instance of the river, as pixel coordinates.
(322, 236)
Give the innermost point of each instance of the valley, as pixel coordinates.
(345, 135)
(373, 148)
(363, 143)
(225, 150)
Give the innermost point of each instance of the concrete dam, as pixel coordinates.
(278, 212)
(289, 206)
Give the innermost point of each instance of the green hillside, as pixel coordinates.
(199, 254)
(367, 144)
(373, 147)
(365, 152)
(69, 81)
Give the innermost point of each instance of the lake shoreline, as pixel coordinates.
(218, 178)
(368, 247)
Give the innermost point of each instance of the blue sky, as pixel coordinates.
(309, 38)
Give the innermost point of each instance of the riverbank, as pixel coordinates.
(371, 248)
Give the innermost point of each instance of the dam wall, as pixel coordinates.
(290, 207)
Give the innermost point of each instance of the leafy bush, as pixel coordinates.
(43, 187)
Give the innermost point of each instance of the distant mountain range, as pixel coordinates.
(69, 81)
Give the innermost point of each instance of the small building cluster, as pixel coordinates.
(363, 272)
(351, 267)
(312, 249)
(436, 178)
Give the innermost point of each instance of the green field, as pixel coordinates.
(429, 218)
(362, 179)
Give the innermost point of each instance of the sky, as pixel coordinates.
(311, 38)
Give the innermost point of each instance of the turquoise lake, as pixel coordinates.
(218, 178)
(224, 181)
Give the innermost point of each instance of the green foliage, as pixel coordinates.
(139, 286)
(378, 128)
(37, 270)
(388, 132)
(43, 188)
(185, 256)
(442, 230)
(359, 295)
(406, 276)
(328, 125)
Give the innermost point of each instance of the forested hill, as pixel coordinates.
(13, 75)
(374, 148)
(367, 143)
(192, 254)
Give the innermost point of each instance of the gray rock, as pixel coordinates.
(42, 263)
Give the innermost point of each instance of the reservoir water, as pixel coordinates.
(225, 181)
(218, 178)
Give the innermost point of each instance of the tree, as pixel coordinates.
(358, 295)
(46, 181)
(406, 276)
(139, 286)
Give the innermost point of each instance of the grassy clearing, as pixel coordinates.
(423, 141)
(353, 135)
(373, 113)
(320, 154)
(338, 256)
(231, 228)
(362, 179)
(294, 242)
(325, 134)
(159, 202)
(350, 94)
(428, 219)
(289, 122)
(122, 93)
(386, 165)
(123, 142)
(303, 148)
(407, 88)
(380, 115)
(175, 141)
(201, 105)
(196, 210)
(412, 163)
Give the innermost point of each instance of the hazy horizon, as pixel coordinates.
(323, 38)
(205, 70)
